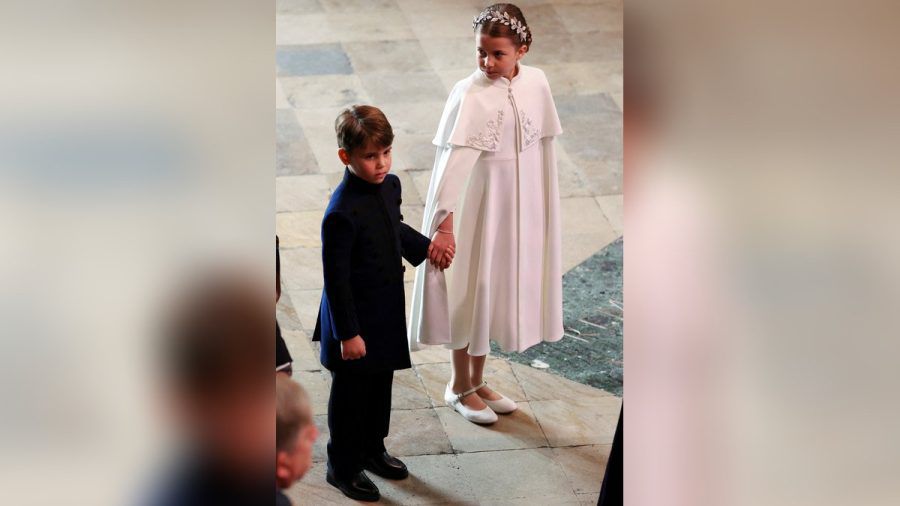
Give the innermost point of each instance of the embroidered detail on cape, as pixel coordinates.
(488, 138)
(530, 132)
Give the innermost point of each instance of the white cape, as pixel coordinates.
(472, 128)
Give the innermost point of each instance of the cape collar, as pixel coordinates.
(502, 82)
(359, 184)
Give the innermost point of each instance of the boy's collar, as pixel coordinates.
(356, 182)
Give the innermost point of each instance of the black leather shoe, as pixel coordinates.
(358, 487)
(386, 466)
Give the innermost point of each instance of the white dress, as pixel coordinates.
(495, 169)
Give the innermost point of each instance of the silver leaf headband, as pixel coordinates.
(505, 19)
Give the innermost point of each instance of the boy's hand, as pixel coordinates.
(353, 348)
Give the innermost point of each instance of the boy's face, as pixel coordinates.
(370, 163)
(292, 465)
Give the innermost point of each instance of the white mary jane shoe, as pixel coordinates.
(501, 406)
(481, 416)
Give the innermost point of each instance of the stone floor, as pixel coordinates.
(552, 450)
(404, 56)
(591, 352)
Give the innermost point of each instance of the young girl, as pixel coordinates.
(493, 201)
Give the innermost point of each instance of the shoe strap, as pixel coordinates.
(470, 391)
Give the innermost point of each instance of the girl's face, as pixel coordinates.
(497, 56)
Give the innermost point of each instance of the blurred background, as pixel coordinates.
(761, 271)
(136, 147)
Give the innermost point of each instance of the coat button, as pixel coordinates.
(404, 268)
(401, 217)
(399, 201)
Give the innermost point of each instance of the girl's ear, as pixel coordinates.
(522, 50)
(344, 156)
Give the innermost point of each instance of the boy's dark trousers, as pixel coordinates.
(359, 417)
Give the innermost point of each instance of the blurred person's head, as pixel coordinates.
(295, 432)
(218, 353)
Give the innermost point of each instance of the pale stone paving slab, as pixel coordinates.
(576, 248)
(386, 56)
(583, 216)
(301, 193)
(386, 88)
(408, 391)
(514, 474)
(583, 466)
(299, 229)
(417, 432)
(434, 479)
(298, 278)
(414, 118)
(286, 314)
(613, 208)
(319, 28)
(318, 386)
(588, 18)
(314, 92)
(541, 386)
(318, 127)
(514, 431)
(307, 304)
(354, 6)
(305, 359)
(566, 424)
(320, 452)
(314, 490)
(430, 355)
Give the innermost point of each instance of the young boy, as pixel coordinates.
(362, 317)
(295, 434)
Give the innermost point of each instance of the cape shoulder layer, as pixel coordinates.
(473, 116)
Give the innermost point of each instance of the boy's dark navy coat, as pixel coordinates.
(363, 239)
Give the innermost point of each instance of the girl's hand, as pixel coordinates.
(446, 261)
(443, 245)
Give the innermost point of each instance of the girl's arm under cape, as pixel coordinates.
(430, 312)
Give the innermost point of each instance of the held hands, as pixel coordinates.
(443, 245)
(442, 249)
(353, 348)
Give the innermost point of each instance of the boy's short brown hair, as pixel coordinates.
(292, 411)
(359, 124)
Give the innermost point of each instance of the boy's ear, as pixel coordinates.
(344, 156)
